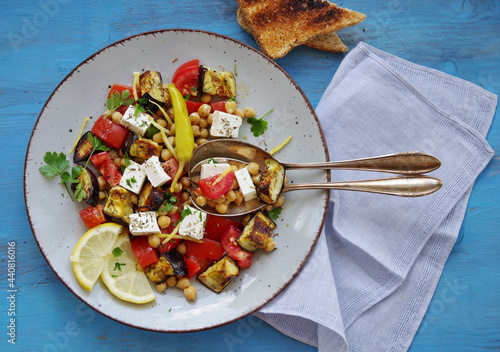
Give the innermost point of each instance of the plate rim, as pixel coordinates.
(154, 33)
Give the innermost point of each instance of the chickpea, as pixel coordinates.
(181, 248)
(172, 129)
(206, 98)
(117, 162)
(211, 203)
(161, 287)
(250, 112)
(268, 208)
(171, 281)
(220, 200)
(239, 112)
(165, 154)
(116, 117)
(162, 122)
(203, 122)
(185, 196)
(279, 202)
(239, 198)
(164, 221)
(270, 245)
(204, 110)
(185, 182)
(196, 130)
(183, 283)
(235, 185)
(230, 195)
(190, 293)
(177, 187)
(210, 118)
(195, 118)
(103, 184)
(221, 208)
(253, 168)
(174, 210)
(158, 138)
(204, 133)
(170, 112)
(200, 141)
(201, 201)
(230, 106)
(103, 195)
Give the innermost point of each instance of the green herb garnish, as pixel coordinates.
(169, 203)
(259, 125)
(117, 252)
(118, 99)
(118, 266)
(275, 213)
(56, 164)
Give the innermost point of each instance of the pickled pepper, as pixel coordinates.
(184, 139)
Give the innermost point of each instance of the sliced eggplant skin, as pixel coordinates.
(90, 185)
(177, 262)
(256, 232)
(213, 82)
(151, 88)
(118, 206)
(160, 271)
(217, 276)
(150, 198)
(84, 148)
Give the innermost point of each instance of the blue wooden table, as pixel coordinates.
(43, 40)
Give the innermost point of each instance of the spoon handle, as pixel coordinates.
(405, 186)
(408, 163)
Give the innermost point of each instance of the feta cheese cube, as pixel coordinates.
(133, 177)
(209, 170)
(137, 122)
(193, 224)
(144, 223)
(156, 175)
(225, 125)
(245, 182)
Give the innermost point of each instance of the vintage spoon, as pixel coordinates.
(410, 185)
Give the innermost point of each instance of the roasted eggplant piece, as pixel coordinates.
(118, 205)
(151, 88)
(168, 264)
(271, 182)
(84, 148)
(217, 276)
(256, 232)
(150, 198)
(221, 83)
(90, 185)
(142, 148)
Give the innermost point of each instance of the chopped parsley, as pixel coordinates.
(56, 164)
(118, 266)
(169, 203)
(275, 213)
(118, 99)
(259, 125)
(130, 181)
(117, 252)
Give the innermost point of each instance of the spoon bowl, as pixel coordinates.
(409, 166)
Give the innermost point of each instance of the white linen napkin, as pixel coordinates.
(373, 272)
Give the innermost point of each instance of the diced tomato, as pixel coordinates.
(214, 191)
(185, 77)
(145, 254)
(216, 225)
(92, 216)
(171, 166)
(193, 106)
(196, 265)
(208, 249)
(233, 249)
(111, 133)
(107, 168)
(218, 105)
(120, 88)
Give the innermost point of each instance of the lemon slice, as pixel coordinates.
(121, 276)
(90, 253)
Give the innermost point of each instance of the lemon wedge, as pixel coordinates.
(90, 253)
(121, 276)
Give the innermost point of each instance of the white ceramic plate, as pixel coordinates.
(261, 84)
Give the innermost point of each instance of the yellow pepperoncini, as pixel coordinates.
(184, 139)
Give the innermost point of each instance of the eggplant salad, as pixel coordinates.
(130, 169)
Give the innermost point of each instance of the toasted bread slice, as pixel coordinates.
(329, 42)
(280, 25)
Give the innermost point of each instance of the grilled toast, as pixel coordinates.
(280, 25)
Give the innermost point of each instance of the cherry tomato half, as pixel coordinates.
(120, 88)
(214, 191)
(216, 225)
(233, 249)
(185, 77)
(208, 249)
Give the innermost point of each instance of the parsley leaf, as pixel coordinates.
(118, 266)
(97, 144)
(169, 202)
(118, 99)
(259, 125)
(56, 164)
(275, 213)
(117, 252)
